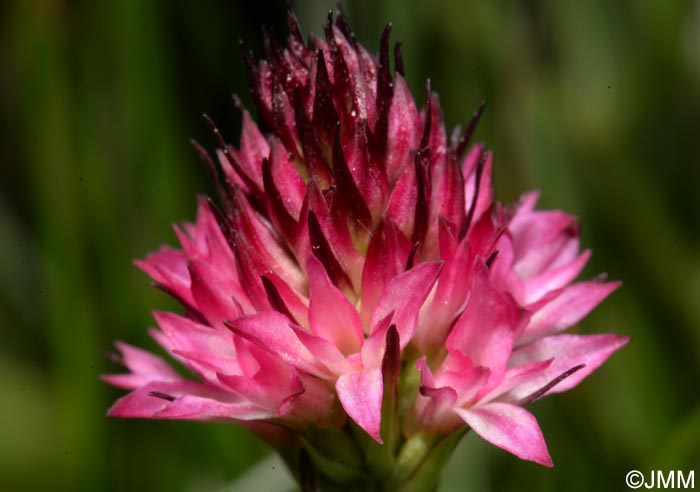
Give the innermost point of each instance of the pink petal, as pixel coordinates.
(447, 238)
(251, 268)
(447, 202)
(567, 351)
(451, 293)
(458, 372)
(168, 267)
(254, 148)
(286, 177)
(368, 174)
(271, 331)
(485, 196)
(360, 393)
(217, 296)
(435, 401)
(185, 334)
(404, 295)
(145, 367)
(542, 239)
(404, 129)
(212, 245)
(268, 387)
(324, 351)
(208, 366)
(331, 315)
(367, 67)
(485, 330)
(484, 233)
(186, 400)
(402, 202)
(193, 407)
(554, 278)
(386, 258)
(139, 404)
(206, 350)
(437, 141)
(569, 307)
(374, 347)
(280, 217)
(315, 402)
(514, 376)
(287, 300)
(258, 235)
(335, 234)
(283, 118)
(533, 229)
(511, 428)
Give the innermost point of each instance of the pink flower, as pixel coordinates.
(358, 263)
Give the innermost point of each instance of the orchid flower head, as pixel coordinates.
(357, 273)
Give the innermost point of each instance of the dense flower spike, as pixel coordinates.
(360, 275)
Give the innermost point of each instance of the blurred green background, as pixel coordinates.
(596, 103)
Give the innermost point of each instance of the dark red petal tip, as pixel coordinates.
(322, 250)
(162, 396)
(469, 130)
(544, 389)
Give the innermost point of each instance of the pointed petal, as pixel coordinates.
(324, 351)
(213, 245)
(140, 404)
(511, 428)
(457, 371)
(386, 258)
(256, 232)
(485, 330)
(195, 343)
(542, 240)
(145, 367)
(569, 307)
(253, 149)
(567, 351)
(360, 393)
(351, 201)
(515, 376)
(214, 292)
(316, 165)
(331, 315)
(168, 267)
(404, 296)
(321, 249)
(369, 174)
(437, 142)
(194, 407)
(272, 331)
(447, 200)
(184, 400)
(404, 197)
(451, 294)
(325, 117)
(272, 381)
(436, 401)
(285, 299)
(391, 363)
(554, 278)
(382, 95)
(286, 177)
(279, 214)
(484, 191)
